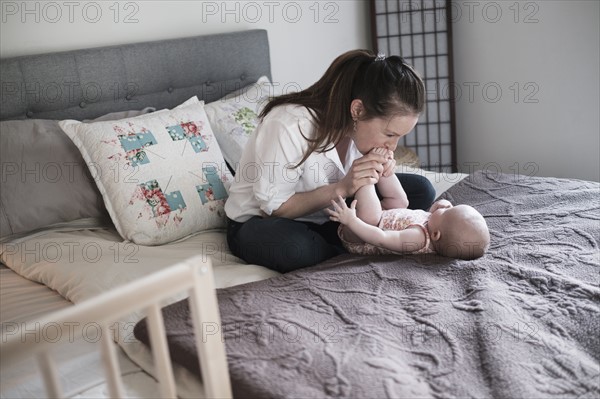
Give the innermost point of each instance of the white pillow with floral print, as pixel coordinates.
(162, 176)
(234, 117)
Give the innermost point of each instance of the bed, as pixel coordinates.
(520, 322)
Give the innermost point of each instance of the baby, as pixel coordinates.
(453, 231)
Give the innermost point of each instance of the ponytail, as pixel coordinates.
(386, 86)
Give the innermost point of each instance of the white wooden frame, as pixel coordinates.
(194, 275)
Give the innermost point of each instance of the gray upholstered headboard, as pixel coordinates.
(88, 83)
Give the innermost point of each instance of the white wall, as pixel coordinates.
(550, 51)
(305, 36)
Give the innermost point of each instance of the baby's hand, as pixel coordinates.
(440, 205)
(390, 164)
(341, 213)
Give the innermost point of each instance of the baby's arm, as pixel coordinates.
(439, 205)
(407, 240)
(392, 193)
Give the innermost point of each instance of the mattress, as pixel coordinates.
(519, 322)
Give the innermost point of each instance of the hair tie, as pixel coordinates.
(380, 57)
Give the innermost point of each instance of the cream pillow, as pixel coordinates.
(234, 117)
(162, 175)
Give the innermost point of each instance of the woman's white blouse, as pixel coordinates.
(265, 178)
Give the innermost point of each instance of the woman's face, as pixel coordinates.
(381, 132)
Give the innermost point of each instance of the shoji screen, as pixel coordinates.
(420, 32)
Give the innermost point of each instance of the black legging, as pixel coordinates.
(284, 245)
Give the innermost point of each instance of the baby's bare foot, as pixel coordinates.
(383, 151)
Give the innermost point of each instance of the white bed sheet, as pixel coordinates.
(80, 367)
(79, 263)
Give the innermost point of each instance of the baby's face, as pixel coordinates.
(453, 219)
(459, 232)
(439, 215)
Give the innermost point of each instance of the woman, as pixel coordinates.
(315, 145)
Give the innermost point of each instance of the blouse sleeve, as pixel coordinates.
(279, 147)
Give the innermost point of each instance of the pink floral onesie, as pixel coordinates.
(393, 219)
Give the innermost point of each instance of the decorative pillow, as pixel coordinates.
(162, 176)
(44, 178)
(234, 117)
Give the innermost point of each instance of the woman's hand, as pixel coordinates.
(364, 170)
(341, 213)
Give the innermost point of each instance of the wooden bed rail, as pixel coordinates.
(194, 275)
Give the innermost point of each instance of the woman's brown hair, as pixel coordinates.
(386, 87)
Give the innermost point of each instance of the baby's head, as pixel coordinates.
(459, 232)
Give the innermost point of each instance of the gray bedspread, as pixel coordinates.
(521, 322)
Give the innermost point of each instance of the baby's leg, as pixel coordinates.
(368, 206)
(390, 189)
(392, 193)
(368, 209)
